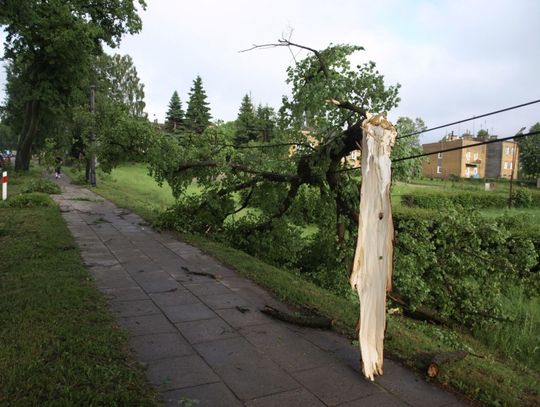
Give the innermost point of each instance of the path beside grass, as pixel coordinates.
(59, 344)
(195, 324)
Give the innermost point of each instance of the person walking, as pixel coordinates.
(58, 167)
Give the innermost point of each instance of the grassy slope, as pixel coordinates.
(59, 343)
(491, 379)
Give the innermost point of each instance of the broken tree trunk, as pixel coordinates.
(372, 266)
(441, 358)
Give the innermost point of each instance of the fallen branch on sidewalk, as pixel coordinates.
(309, 321)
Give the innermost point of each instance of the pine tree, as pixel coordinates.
(266, 122)
(197, 113)
(246, 123)
(175, 114)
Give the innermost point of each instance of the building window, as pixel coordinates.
(353, 155)
(468, 156)
(439, 155)
(506, 165)
(510, 165)
(439, 169)
(476, 156)
(467, 172)
(475, 171)
(507, 150)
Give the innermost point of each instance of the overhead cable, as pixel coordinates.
(469, 119)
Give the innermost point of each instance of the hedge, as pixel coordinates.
(523, 198)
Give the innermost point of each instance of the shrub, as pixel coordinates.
(468, 199)
(522, 198)
(29, 200)
(459, 263)
(41, 185)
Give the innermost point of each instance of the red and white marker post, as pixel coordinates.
(4, 185)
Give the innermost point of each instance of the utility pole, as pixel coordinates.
(514, 151)
(92, 137)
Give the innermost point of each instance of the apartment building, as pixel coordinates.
(469, 161)
(501, 159)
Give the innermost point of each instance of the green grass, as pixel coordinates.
(490, 377)
(59, 344)
(131, 183)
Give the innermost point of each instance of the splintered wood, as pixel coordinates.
(372, 267)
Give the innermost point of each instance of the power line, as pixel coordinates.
(534, 133)
(469, 119)
(498, 140)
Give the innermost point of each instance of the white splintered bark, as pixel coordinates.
(372, 267)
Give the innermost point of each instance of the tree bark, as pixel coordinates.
(28, 135)
(372, 266)
(437, 360)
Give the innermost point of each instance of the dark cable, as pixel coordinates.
(469, 119)
(534, 133)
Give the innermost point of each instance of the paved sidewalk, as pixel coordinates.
(195, 326)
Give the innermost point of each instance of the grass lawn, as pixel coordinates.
(485, 375)
(59, 344)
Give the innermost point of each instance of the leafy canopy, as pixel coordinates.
(529, 153)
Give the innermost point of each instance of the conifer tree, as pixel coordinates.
(246, 123)
(197, 113)
(175, 114)
(266, 122)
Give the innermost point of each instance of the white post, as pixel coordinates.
(4, 186)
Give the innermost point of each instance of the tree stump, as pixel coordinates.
(372, 267)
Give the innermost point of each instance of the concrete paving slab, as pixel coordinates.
(296, 398)
(188, 312)
(239, 317)
(205, 330)
(412, 389)
(124, 294)
(244, 370)
(224, 301)
(178, 297)
(284, 347)
(376, 400)
(160, 346)
(146, 324)
(134, 308)
(179, 372)
(206, 395)
(207, 288)
(335, 384)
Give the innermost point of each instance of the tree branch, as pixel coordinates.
(268, 175)
(287, 43)
(344, 104)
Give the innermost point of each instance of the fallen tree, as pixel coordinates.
(297, 179)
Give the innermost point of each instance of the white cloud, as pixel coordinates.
(453, 58)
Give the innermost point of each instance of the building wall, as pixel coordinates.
(494, 155)
(492, 160)
(473, 160)
(445, 164)
(508, 159)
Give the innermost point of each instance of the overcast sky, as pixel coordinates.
(454, 58)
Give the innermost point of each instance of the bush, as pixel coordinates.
(466, 199)
(522, 198)
(41, 185)
(281, 245)
(459, 263)
(29, 200)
